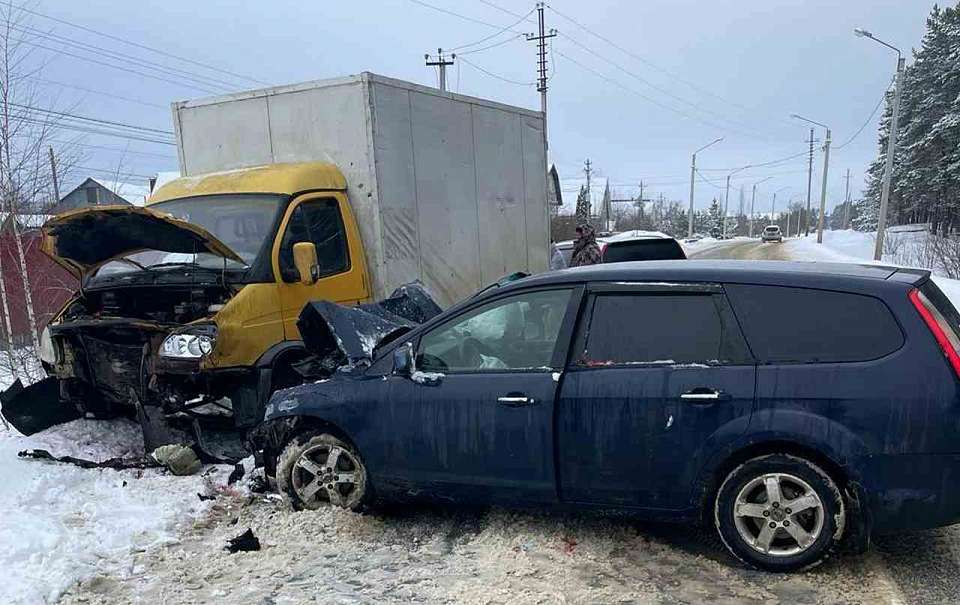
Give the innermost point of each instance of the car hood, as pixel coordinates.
(82, 240)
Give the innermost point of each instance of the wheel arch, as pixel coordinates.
(273, 435)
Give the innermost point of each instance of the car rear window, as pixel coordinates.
(651, 329)
(647, 249)
(801, 325)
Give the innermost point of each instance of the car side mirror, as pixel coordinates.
(403, 361)
(305, 260)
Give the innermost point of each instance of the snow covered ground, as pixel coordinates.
(61, 524)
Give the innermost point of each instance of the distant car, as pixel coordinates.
(665, 390)
(715, 233)
(772, 233)
(631, 246)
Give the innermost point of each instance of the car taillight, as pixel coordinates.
(603, 251)
(940, 327)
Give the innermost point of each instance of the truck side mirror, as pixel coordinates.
(403, 362)
(305, 260)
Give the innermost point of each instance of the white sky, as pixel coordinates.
(696, 71)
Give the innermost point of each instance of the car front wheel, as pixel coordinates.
(316, 469)
(779, 513)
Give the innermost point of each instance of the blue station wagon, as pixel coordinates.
(794, 407)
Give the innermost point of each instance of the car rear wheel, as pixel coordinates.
(779, 513)
(317, 469)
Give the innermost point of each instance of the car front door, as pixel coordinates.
(658, 374)
(475, 421)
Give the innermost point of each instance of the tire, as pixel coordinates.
(306, 481)
(757, 529)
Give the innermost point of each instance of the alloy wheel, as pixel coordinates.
(778, 514)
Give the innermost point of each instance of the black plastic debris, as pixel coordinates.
(338, 335)
(245, 542)
(114, 463)
(36, 407)
(205, 497)
(236, 474)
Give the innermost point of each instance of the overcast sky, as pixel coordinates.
(685, 73)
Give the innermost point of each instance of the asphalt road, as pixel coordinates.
(743, 250)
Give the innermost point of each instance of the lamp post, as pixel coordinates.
(753, 198)
(891, 142)
(773, 205)
(693, 170)
(826, 166)
(726, 200)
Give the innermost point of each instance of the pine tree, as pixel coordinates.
(583, 206)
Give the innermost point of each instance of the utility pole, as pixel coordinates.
(806, 223)
(846, 203)
(693, 172)
(53, 171)
(888, 163)
(588, 170)
(823, 191)
(442, 63)
(541, 38)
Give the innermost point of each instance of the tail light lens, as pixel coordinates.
(940, 327)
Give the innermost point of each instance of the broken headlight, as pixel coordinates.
(193, 344)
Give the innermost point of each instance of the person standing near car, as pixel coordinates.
(585, 248)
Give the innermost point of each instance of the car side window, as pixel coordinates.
(653, 329)
(320, 222)
(516, 333)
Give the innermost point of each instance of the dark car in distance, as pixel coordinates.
(791, 406)
(631, 246)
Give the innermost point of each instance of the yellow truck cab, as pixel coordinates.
(194, 299)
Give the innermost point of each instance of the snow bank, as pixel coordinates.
(61, 524)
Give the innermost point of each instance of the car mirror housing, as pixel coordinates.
(403, 363)
(305, 260)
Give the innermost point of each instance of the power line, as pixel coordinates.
(142, 46)
(501, 9)
(457, 15)
(117, 56)
(120, 67)
(869, 119)
(660, 89)
(115, 149)
(494, 35)
(759, 165)
(89, 119)
(493, 75)
(501, 43)
(119, 173)
(91, 130)
(646, 62)
(111, 95)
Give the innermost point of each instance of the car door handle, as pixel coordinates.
(516, 400)
(704, 396)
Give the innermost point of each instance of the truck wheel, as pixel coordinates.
(316, 469)
(779, 513)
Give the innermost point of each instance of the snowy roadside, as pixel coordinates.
(62, 524)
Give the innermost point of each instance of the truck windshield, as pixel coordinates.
(243, 222)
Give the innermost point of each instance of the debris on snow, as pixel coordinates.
(245, 542)
(179, 459)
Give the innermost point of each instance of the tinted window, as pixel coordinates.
(519, 332)
(316, 221)
(805, 325)
(648, 249)
(651, 328)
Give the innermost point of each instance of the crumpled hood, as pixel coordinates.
(339, 335)
(82, 240)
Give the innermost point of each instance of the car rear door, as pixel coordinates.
(659, 374)
(475, 422)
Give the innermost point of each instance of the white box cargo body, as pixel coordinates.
(447, 189)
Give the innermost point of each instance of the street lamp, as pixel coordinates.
(693, 170)
(753, 197)
(891, 142)
(826, 166)
(726, 199)
(773, 205)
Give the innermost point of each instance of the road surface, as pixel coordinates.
(743, 249)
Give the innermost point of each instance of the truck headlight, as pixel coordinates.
(48, 353)
(189, 345)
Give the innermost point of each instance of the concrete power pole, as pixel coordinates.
(442, 63)
(53, 172)
(823, 191)
(888, 163)
(846, 203)
(541, 38)
(806, 222)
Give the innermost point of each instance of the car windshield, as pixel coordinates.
(242, 222)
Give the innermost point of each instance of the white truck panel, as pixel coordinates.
(447, 189)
